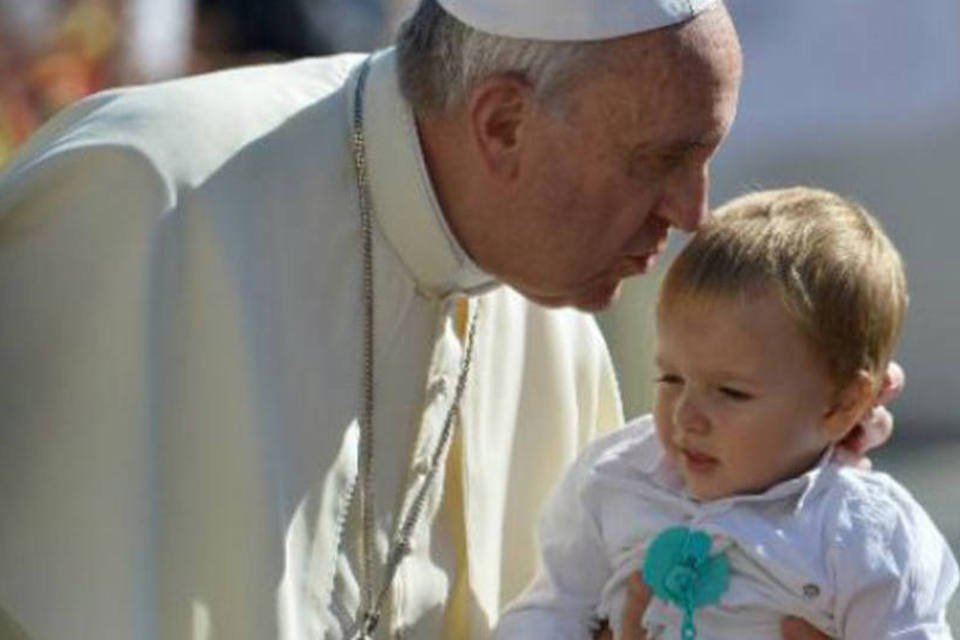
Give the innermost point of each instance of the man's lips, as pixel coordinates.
(642, 263)
(643, 258)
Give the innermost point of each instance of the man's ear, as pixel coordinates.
(849, 407)
(498, 109)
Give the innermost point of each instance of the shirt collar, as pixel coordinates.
(799, 487)
(404, 202)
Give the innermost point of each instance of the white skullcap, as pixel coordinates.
(572, 19)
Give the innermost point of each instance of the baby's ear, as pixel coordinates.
(849, 406)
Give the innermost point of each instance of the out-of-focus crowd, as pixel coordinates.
(53, 52)
(48, 59)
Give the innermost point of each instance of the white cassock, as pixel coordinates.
(180, 344)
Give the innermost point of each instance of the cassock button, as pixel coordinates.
(421, 467)
(437, 389)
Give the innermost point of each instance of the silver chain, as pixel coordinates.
(372, 600)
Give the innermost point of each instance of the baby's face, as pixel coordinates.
(741, 398)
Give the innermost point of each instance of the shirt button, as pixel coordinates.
(811, 591)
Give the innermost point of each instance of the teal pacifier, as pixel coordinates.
(679, 569)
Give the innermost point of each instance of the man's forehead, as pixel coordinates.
(572, 20)
(674, 124)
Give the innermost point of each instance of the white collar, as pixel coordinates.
(404, 202)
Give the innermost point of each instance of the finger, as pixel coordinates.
(798, 629)
(852, 443)
(875, 429)
(893, 381)
(638, 597)
(851, 457)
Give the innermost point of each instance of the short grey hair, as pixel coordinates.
(440, 59)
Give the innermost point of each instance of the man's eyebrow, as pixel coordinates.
(677, 147)
(698, 144)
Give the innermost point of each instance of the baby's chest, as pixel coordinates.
(769, 573)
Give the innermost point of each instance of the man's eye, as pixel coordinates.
(735, 394)
(648, 165)
(670, 161)
(668, 378)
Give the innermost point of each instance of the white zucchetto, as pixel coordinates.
(572, 19)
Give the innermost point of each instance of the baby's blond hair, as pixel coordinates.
(828, 259)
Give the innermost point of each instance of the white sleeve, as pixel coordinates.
(75, 234)
(894, 572)
(561, 602)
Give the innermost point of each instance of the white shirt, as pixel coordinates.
(180, 279)
(848, 550)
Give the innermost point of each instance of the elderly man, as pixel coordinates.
(261, 378)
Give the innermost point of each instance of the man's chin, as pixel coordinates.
(596, 303)
(592, 301)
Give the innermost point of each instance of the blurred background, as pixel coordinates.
(858, 96)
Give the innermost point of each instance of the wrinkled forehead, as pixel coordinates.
(706, 45)
(702, 60)
(679, 84)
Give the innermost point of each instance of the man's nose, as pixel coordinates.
(686, 203)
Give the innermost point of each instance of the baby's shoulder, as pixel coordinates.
(873, 518)
(890, 566)
(634, 449)
(613, 456)
(624, 470)
(867, 500)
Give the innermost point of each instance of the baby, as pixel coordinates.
(775, 326)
